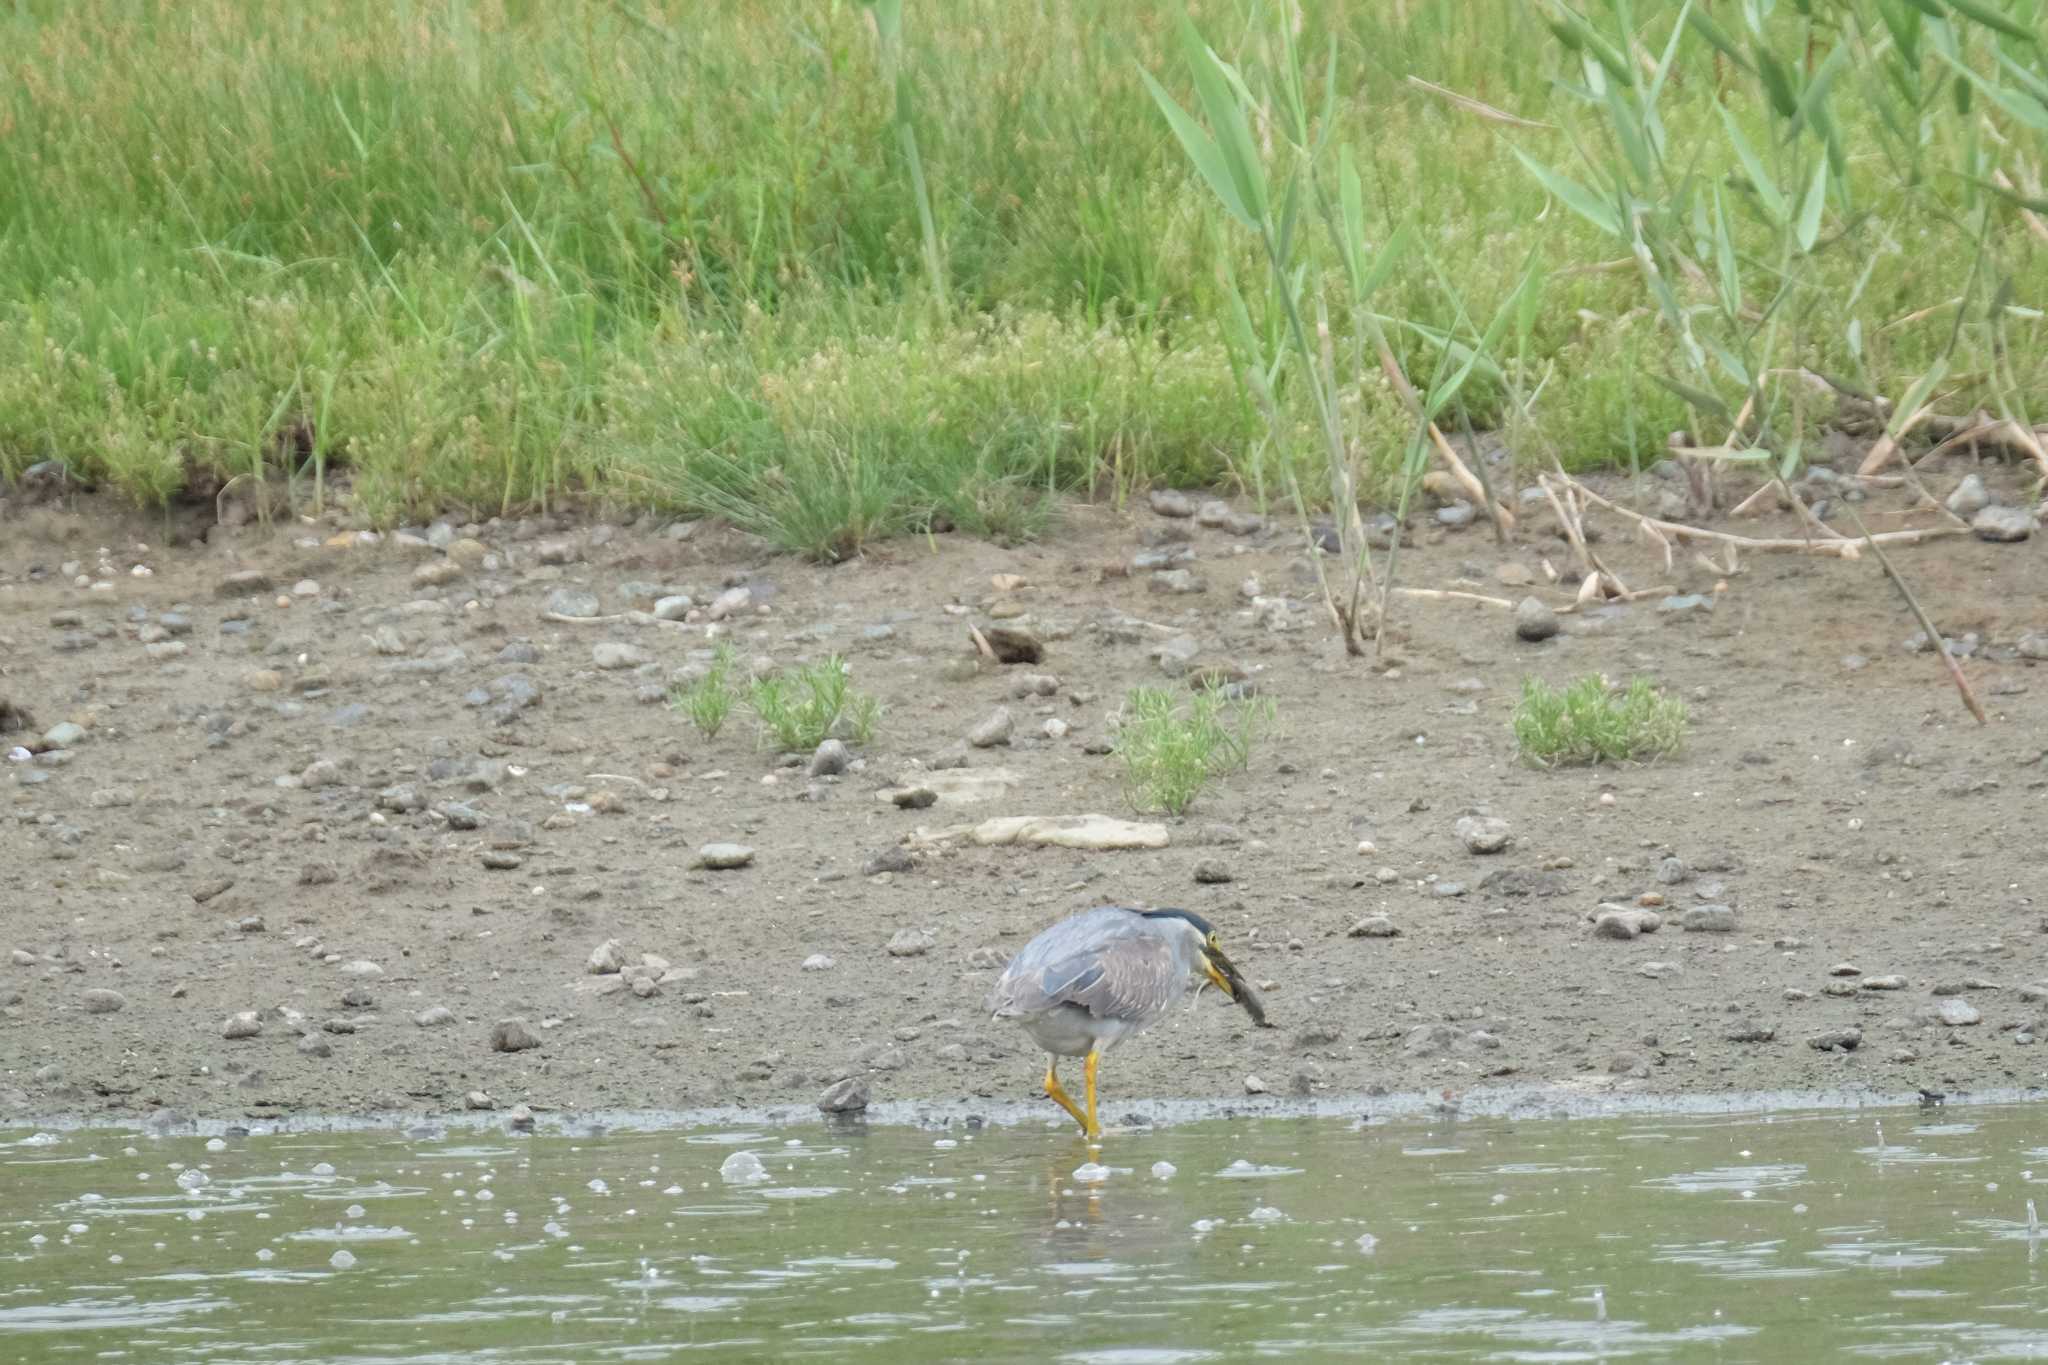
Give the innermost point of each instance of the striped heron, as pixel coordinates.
(1093, 979)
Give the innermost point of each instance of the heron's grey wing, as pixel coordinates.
(1035, 979)
(1129, 976)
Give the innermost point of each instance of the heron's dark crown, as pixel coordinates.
(1190, 916)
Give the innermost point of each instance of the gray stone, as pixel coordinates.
(724, 857)
(580, 603)
(512, 1035)
(1708, 919)
(501, 859)
(519, 652)
(1750, 1033)
(64, 735)
(1672, 871)
(1836, 1040)
(1374, 926)
(614, 654)
(604, 959)
(819, 962)
(101, 1000)
(1212, 872)
(848, 1096)
(313, 1045)
(1953, 1011)
(1625, 923)
(831, 758)
(243, 1025)
(993, 731)
(1534, 621)
(2003, 525)
(673, 608)
(1883, 983)
(556, 552)
(1456, 514)
(888, 860)
(910, 943)
(402, 799)
(1483, 833)
(1970, 497)
(730, 602)
(913, 798)
(434, 1016)
(1170, 502)
(1177, 582)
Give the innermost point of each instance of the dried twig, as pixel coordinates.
(1467, 103)
(981, 644)
(1842, 548)
(1955, 670)
(1454, 595)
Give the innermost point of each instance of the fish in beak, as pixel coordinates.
(1221, 970)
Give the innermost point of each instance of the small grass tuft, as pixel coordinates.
(799, 708)
(1588, 722)
(709, 700)
(1173, 748)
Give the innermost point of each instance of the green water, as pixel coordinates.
(1897, 1235)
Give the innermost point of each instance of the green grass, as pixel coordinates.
(1587, 722)
(1173, 745)
(709, 700)
(496, 255)
(799, 708)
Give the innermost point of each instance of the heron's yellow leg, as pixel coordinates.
(1057, 1093)
(1094, 1128)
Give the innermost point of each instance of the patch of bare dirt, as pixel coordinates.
(324, 826)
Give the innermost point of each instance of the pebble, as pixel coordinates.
(434, 1016)
(1178, 582)
(500, 859)
(101, 1000)
(1483, 833)
(1170, 502)
(1672, 871)
(893, 859)
(819, 962)
(580, 603)
(910, 943)
(1456, 514)
(1374, 926)
(512, 1035)
(1534, 621)
(1254, 1086)
(1657, 971)
(2002, 525)
(1055, 728)
(1970, 497)
(604, 958)
(730, 601)
(848, 1096)
(243, 1025)
(1836, 1039)
(913, 798)
(723, 857)
(64, 735)
(313, 1045)
(1751, 1033)
(831, 758)
(613, 654)
(1211, 872)
(1035, 685)
(1708, 919)
(1625, 923)
(1884, 983)
(556, 552)
(1686, 604)
(435, 574)
(1954, 1011)
(674, 607)
(993, 731)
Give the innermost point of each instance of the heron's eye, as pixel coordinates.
(1214, 943)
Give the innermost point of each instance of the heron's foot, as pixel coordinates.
(1057, 1093)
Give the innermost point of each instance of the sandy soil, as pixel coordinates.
(257, 819)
